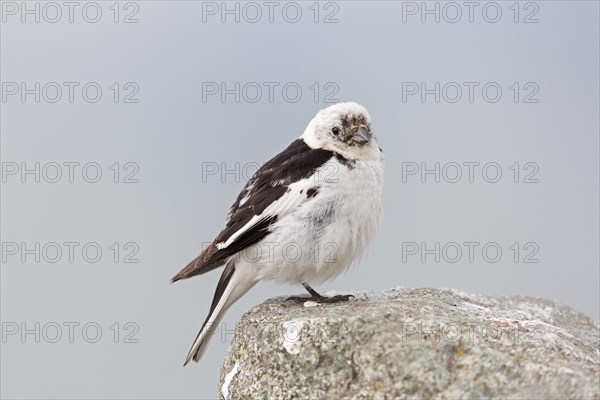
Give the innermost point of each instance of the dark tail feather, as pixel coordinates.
(185, 272)
(203, 263)
(229, 290)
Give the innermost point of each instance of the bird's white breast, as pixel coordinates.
(327, 233)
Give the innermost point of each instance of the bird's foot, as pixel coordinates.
(321, 299)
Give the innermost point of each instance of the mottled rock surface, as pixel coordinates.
(414, 343)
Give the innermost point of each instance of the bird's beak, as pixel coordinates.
(361, 136)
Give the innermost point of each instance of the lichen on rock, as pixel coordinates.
(414, 343)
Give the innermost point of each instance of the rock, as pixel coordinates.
(414, 343)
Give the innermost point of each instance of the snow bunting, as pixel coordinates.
(303, 218)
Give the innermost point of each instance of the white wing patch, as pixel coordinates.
(294, 197)
(247, 195)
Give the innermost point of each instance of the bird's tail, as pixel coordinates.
(231, 287)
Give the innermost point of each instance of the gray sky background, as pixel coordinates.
(375, 54)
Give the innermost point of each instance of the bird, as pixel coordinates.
(304, 217)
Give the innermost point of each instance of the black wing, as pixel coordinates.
(255, 209)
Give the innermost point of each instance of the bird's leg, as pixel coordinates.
(318, 298)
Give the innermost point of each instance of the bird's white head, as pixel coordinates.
(344, 128)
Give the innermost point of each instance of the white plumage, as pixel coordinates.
(304, 217)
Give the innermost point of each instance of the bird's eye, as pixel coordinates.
(335, 130)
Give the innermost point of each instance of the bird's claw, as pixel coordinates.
(338, 298)
(321, 299)
(298, 299)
